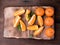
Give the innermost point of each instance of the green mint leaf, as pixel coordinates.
(19, 27)
(30, 36)
(30, 15)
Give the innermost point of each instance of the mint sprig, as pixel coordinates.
(19, 27)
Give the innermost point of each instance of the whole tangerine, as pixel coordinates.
(49, 11)
(39, 11)
(49, 32)
(49, 21)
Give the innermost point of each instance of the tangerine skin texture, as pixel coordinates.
(49, 32)
(48, 21)
(39, 11)
(49, 11)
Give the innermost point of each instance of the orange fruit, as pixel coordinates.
(49, 32)
(37, 32)
(26, 14)
(23, 26)
(16, 21)
(32, 20)
(49, 21)
(40, 20)
(32, 27)
(19, 12)
(39, 11)
(49, 11)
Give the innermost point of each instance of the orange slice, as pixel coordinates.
(16, 21)
(32, 20)
(19, 12)
(26, 14)
(40, 20)
(23, 26)
(33, 27)
(37, 32)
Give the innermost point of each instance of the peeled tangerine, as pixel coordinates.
(26, 14)
(37, 32)
(16, 21)
(40, 20)
(23, 26)
(33, 27)
(19, 12)
(49, 32)
(32, 20)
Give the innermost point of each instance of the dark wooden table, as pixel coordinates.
(6, 3)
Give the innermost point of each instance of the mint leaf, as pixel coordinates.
(19, 27)
(30, 15)
(30, 36)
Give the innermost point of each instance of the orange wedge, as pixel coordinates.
(33, 27)
(19, 12)
(37, 32)
(26, 14)
(32, 20)
(40, 20)
(23, 26)
(16, 21)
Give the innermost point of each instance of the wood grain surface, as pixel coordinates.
(7, 3)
